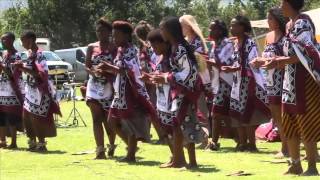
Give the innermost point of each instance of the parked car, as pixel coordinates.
(76, 57)
(59, 71)
(43, 43)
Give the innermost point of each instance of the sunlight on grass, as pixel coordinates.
(59, 163)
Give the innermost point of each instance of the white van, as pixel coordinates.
(43, 43)
(76, 57)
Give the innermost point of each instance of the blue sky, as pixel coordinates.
(5, 4)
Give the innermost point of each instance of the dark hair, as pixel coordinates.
(155, 36)
(277, 14)
(142, 29)
(222, 26)
(296, 4)
(104, 23)
(244, 22)
(173, 26)
(10, 35)
(29, 34)
(123, 26)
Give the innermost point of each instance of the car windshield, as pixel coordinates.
(50, 56)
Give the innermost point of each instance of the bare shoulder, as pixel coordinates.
(270, 38)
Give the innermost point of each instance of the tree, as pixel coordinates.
(69, 22)
(204, 11)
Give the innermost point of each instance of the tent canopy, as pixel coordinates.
(314, 14)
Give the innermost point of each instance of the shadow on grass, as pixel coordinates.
(52, 152)
(156, 142)
(138, 162)
(232, 150)
(205, 169)
(47, 152)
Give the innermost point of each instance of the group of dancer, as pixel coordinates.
(26, 104)
(185, 89)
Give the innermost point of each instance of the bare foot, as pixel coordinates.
(13, 146)
(101, 155)
(203, 145)
(214, 146)
(179, 164)
(192, 166)
(310, 172)
(3, 145)
(294, 169)
(281, 155)
(168, 164)
(174, 165)
(111, 149)
(128, 159)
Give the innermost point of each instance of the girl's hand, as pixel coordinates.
(103, 66)
(159, 78)
(270, 64)
(258, 62)
(145, 77)
(18, 65)
(212, 62)
(90, 71)
(229, 69)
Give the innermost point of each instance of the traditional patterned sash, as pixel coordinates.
(14, 80)
(308, 54)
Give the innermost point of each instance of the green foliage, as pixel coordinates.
(69, 22)
(312, 4)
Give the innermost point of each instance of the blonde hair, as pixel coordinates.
(191, 21)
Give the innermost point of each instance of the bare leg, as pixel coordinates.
(3, 137)
(132, 148)
(169, 164)
(276, 114)
(294, 152)
(42, 144)
(192, 155)
(111, 134)
(311, 150)
(216, 128)
(250, 131)
(242, 139)
(30, 131)
(98, 116)
(178, 154)
(13, 132)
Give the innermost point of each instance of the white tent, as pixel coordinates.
(314, 14)
(263, 24)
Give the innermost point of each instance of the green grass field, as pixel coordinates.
(59, 163)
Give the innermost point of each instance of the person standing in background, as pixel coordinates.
(248, 107)
(220, 55)
(39, 103)
(11, 91)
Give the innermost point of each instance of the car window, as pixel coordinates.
(24, 56)
(80, 56)
(50, 56)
